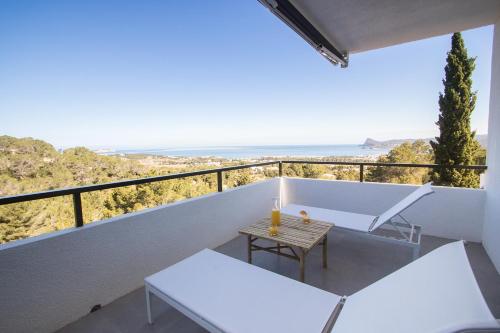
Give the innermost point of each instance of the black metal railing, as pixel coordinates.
(76, 192)
(362, 165)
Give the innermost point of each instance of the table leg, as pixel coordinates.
(325, 252)
(249, 249)
(302, 257)
(148, 304)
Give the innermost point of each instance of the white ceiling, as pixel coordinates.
(362, 25)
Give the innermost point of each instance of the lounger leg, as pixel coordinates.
(148, 304)
(302, 257)
(325, 252)
(249, 249)
(416, 252)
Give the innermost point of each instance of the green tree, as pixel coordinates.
(418, 152)
(313, 170)
(304, 170)
(238, 178)
(346, 172)
(456, 144)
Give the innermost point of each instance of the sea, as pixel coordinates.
(247, 152)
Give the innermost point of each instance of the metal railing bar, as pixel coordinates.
(77, 191)
(122, 183)
(219, 181)
(403, 165)
(77, 206)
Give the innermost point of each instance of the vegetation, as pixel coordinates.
(304, 170)
(456, 144)
(28, 165)
(418, 152)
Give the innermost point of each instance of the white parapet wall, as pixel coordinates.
(491, 232)
(49, 281)
(455, 213)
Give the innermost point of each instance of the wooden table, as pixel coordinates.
(292, 233)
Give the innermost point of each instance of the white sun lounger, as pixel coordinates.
(436, 293)
(367, 224)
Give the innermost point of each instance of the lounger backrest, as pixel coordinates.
(436, 293)
(402, 205)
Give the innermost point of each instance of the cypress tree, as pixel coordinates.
(456, 144)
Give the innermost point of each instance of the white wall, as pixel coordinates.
(49, 281)
(450, 212)
(491, 232)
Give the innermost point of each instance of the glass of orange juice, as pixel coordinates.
(275, 213)
(273, 230)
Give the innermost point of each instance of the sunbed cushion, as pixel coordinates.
(237, 297)
(353, 221)
(436, 293)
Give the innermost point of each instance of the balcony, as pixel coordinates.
(90, 278)
(53, 281)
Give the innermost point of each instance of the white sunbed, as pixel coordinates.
(436, 293)
(367, 224)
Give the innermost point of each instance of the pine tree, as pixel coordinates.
(456, 144)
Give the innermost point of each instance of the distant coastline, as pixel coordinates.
(372, 143)
(246, 152)
(371, 148)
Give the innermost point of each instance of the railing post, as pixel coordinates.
(280, 168)
(77, 205)
(219, 181)
(361, 173)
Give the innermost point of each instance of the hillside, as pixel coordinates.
(29, 165)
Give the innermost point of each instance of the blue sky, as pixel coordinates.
(188, 73)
